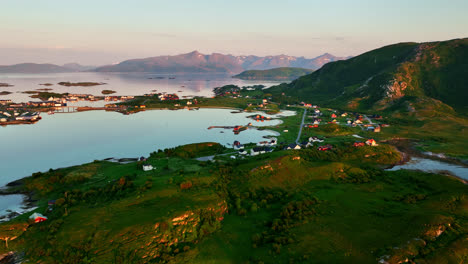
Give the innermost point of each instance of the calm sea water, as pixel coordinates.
(63, 140)
(122, 83)
(434, 166)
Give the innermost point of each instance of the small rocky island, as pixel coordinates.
(80, 83)
(5, 85)
(108, 92)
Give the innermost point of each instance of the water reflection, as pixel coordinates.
(62, 140)
(122, 83)
(433, 166)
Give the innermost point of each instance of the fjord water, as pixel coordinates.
(63, 140)
(122, 83)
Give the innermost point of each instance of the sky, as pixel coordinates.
(98, 32)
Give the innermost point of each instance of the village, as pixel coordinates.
(12, 113)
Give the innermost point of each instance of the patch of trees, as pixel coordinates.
(227, 89)
(410, 198)
(190, 151)
(293, 214)
(113, 190)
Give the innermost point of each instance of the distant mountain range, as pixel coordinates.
(195, 62)
(78, 67)
(277, 74)
(43, 68)
(405, 78)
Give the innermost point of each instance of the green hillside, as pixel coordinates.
(284, 73)
(386, 77)
(303, 206)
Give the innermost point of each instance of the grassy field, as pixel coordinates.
(286, 206)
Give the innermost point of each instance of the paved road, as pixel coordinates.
(300, 127)
(368, 119)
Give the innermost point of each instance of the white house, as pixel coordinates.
(273, 142)
(257, 150)
(315, 139)
(293, 146)
(147, 167)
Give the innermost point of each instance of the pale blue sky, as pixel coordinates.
(107, 31)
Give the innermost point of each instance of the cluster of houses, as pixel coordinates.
(370, 142)
(257, 106)
(194, 102)
(80, 97)
(166, 97)
(114, 98)
(261, 148)
(260, 118)
(228, 90)
(268, 146)
(8, 116)
(51, 102)
(5, 102)
(146, 166)
(351, 121)
(48, 103)
(308, 105)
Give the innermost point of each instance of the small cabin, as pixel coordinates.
(37, 217)
(371, 142)
(293, 146)
(325, 148)
(359, 144)
(147, 167)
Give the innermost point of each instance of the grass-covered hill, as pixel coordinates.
(303, 206)
(284, 73)
(400, 77)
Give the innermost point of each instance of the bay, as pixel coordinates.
(62, 140)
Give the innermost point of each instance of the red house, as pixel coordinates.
(325, 148)
(37, 217)
(359, 144)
